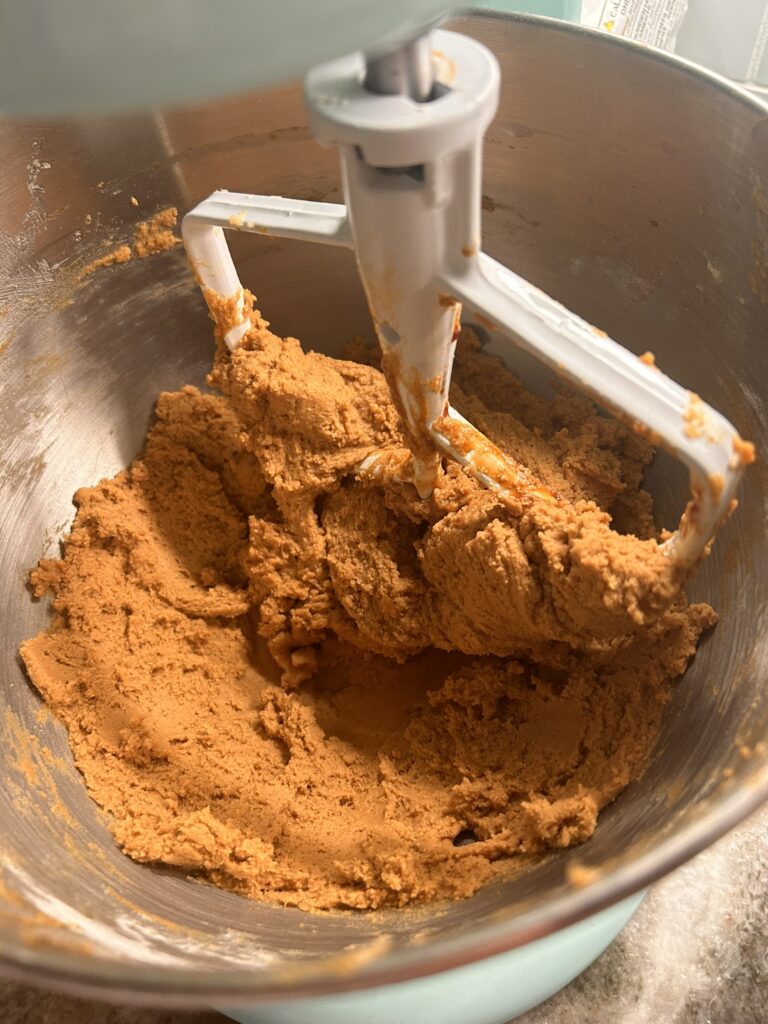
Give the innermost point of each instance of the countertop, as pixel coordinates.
(695, 953)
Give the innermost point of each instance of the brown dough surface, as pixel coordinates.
(303, 686)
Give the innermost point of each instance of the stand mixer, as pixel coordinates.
(437, 210)
(409, 126)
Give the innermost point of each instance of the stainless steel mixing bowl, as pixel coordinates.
(631, 186)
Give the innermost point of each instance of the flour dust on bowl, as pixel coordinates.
(645, 215)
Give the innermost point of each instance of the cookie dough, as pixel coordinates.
(318, 689)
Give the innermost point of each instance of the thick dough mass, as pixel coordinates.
(303, 685)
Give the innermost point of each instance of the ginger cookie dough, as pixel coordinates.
(314, 688)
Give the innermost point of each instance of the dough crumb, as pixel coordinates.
(156, 234)
(579, 875)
